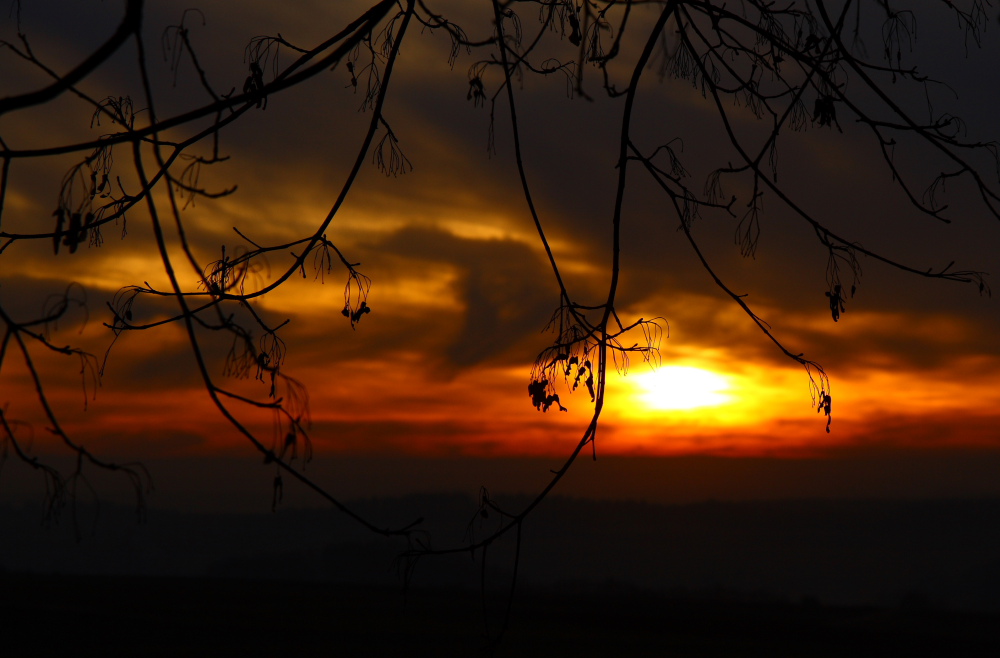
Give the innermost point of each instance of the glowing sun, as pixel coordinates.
(682, 387)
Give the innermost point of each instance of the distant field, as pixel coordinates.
(128, 616)
(596, 578)
(938, 554)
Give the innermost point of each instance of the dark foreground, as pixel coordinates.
(132, 616)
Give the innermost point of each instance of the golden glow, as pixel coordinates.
(682, 387)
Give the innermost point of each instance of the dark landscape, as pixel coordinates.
(795, 578)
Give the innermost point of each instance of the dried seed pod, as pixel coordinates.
(72, 238)
(60, 215)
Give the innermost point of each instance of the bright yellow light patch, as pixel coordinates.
(682, 387)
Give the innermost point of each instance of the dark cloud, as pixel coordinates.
(26, 299)
(929, 431)
(156, 361)
(146, 443)
(502, 286)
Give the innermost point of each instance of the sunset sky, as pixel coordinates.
(461, 290)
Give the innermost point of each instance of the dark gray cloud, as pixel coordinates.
(502, 287)
(497, 302)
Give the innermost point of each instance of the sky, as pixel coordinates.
(434, 378)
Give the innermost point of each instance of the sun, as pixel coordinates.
(682, 387)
